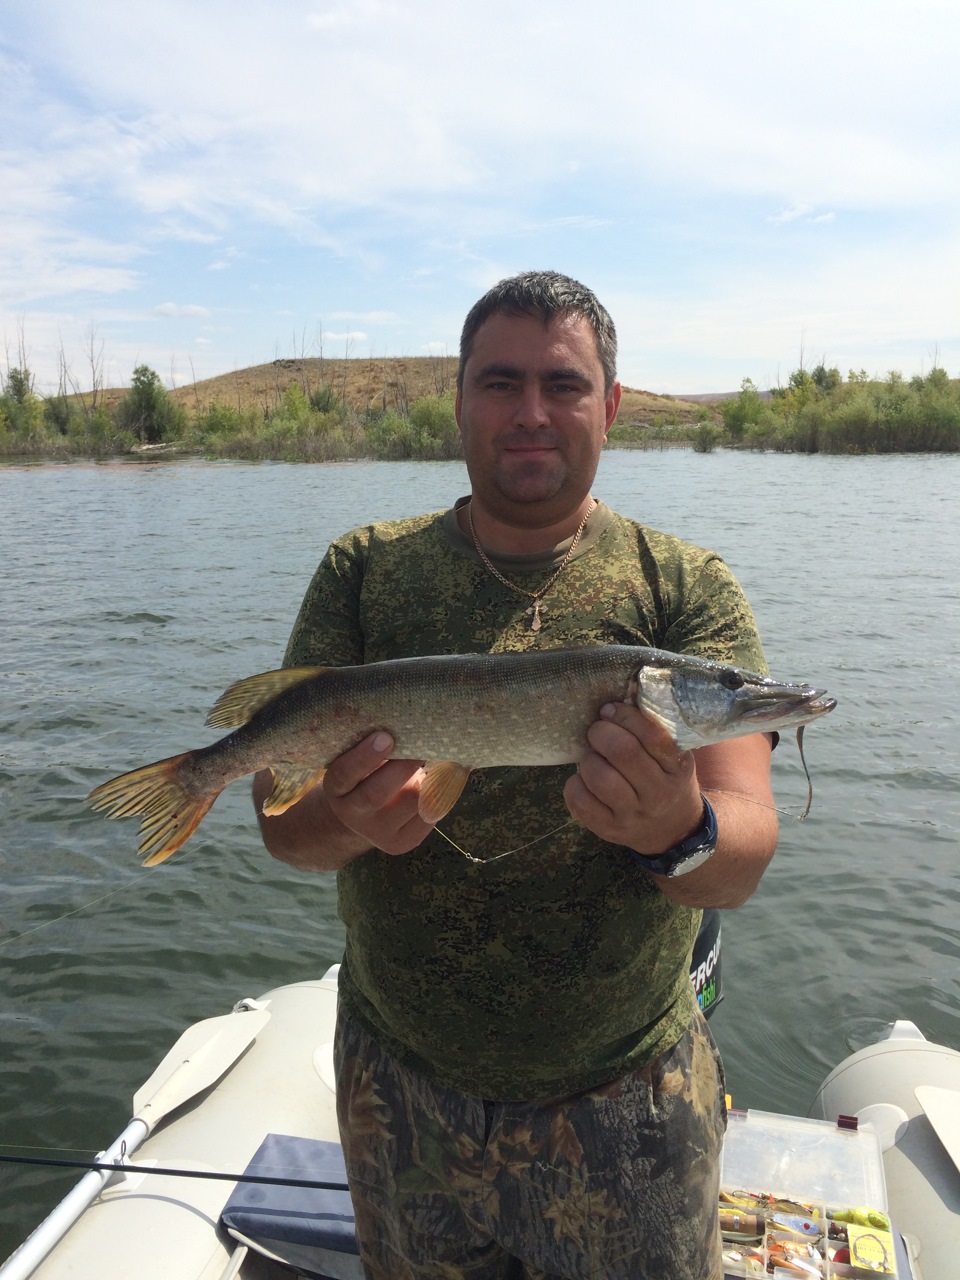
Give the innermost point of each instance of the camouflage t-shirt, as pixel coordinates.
(560, 966)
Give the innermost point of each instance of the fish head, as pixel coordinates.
(700, 701)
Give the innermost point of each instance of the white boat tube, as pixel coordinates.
(35, 1248)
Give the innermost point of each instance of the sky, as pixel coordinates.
(203, 185)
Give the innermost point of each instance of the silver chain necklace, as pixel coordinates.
(536, 596)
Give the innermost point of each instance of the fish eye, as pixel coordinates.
(731, 679)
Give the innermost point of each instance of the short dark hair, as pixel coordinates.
(549, 295)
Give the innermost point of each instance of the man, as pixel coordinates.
(526, 1087)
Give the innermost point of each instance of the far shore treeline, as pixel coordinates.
(317, 410)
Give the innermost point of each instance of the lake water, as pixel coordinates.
(133, 594)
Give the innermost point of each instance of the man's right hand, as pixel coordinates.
(364, 801)
(375, 797)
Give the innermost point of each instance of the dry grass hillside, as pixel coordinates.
(376, 383)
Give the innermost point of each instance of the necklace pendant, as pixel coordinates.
(534, 610)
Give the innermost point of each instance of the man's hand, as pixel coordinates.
(635, 787)
(377, 798)
(364, 801)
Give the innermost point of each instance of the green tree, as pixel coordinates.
(18, 385)
(147, 409)
(20, 409)
(740, 413)
(826, 379)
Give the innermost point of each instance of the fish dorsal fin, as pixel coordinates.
(243, 700)
(443, 782)
(290, 784)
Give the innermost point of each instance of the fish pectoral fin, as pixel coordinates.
(243, 700)
(290, 784)
(443, 782)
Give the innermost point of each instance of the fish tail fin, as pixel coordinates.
(170, 813)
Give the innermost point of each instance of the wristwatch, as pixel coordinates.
(688, 854)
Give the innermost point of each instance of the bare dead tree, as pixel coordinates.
(196, 393)
(63, 373)
(401, 392)
(304, 376)
(441, 373)
(346, 366)
(319, 346)
(95, 360)
(23, 355)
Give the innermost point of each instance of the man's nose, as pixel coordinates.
(531, 410)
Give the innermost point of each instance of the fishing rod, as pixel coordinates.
(312, 1184)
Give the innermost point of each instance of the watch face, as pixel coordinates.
(690, 861)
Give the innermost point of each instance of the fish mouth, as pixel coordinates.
(802, 705)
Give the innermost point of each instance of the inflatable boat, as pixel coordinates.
(231, 1169)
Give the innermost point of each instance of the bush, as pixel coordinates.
(60, 415)
(434, 426)
(705, 438)
(220, 420)
(324, 399)
(391, 437)
(24, 417)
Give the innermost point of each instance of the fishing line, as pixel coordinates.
(90, 1152)
(762, 804)
(520, 847)
(6, 942)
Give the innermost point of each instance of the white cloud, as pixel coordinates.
(800, 212)
(790, 215)
(176, 311)
(369, 317)
(337, 17)
(355, 335)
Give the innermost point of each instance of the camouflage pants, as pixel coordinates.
(619, 1183)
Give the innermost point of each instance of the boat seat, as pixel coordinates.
(306, 1228)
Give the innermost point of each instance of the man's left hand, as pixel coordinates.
(635, 787)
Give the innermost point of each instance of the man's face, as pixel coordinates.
(533, 416)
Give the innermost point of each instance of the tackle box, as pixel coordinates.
(805, 1197)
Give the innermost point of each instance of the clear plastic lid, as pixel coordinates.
(801, 1159)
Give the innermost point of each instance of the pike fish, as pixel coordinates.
(456, 712)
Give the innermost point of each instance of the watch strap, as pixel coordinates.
(690, 853)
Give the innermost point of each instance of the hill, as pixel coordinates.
(376, 383)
